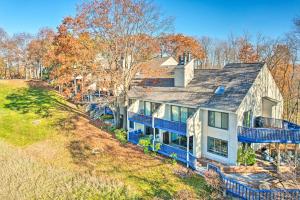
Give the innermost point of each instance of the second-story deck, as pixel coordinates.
(140, 118)
(172, 126)
(268, 135)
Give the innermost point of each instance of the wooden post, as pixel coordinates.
(296, 154)
(187, 150)
(278, 156)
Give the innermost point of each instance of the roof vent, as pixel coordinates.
(220, 90)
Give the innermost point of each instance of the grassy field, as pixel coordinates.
(42, 130)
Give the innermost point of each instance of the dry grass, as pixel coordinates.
(24, 178)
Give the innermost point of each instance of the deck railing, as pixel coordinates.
(291, 125)
(167, 150)
(242, 191)
(268, 135)
(139, 118)
(180, 154)
(134, 136)
(172, 126)
(267, 122)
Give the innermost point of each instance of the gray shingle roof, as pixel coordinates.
(237, 78)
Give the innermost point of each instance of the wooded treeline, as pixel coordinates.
(108, 42)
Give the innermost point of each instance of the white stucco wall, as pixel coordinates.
(184, 74)
(229, 135)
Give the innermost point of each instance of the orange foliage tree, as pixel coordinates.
(247, 53)
(176, 45)
(71, 55)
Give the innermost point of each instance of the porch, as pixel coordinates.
(170, 150)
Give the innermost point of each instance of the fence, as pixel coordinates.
(242, 191)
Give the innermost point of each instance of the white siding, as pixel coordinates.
(229, 135)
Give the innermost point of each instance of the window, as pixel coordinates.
(174, 113)
(181, 141)
(150, 107)
(131, 124)
(181, 113)
(218, 119)
(247, 119)
(217, 146)
(147, 110)
(130, 102)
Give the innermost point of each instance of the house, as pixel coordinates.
(203, 113)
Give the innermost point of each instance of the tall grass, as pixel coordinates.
(23, 178)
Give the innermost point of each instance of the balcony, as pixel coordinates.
(139, 118)
(268, 135)
(172, 126)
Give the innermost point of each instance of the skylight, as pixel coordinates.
(220, 90)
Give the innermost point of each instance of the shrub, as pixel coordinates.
(106, 117)
(146, 144)
(111, 129)
(174, 158)
(246, 156)
(121, 135)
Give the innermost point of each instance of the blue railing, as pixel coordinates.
(181, 154)
(291, 126)
(242, 191)
(139, 118)
(267, 122)
(134, 136)
(172, 126)
(268, 135)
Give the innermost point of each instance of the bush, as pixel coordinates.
(111, 129)
(106, 117)
(174, 158)
(121, 135)
(145, 143)
(246, 156)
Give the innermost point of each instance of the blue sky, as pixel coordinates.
(215, 18)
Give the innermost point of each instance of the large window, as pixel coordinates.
(247, 119)
(180, 140)
(131, 124)
(150, 107)
(217, 146)
(147, 108)
(218, 119)
(181, 113)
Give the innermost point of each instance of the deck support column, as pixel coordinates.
(296, 153)
(187, 150)
(278, 156)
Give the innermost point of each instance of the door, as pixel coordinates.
(166, 138)
(148, 130)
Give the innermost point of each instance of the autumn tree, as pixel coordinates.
(37, 52)
(247, 53)
(126, 34)
(176, 45)
(70, 55)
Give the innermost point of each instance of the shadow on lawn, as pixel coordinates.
(44, 103)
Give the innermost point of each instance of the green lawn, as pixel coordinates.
(46, 128)
(29, 114)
